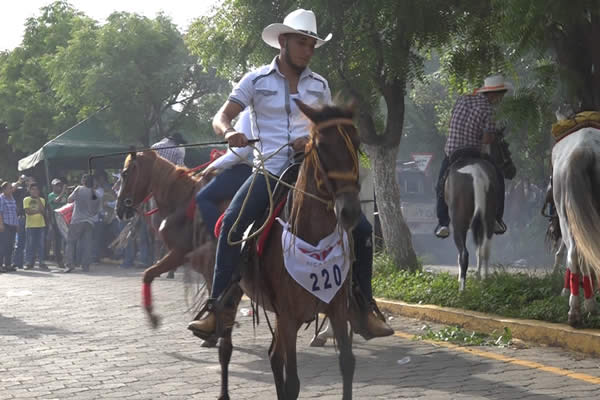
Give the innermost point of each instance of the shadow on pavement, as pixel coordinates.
(15, 327)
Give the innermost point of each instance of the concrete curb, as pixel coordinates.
(582, 340)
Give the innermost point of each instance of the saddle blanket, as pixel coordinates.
(320, 269)
(585, 119)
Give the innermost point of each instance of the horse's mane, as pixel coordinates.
(326, 113)
(171, 184)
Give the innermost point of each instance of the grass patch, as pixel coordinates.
(516, 295)
(457, 335)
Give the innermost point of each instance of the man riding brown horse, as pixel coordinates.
(472, 126)
(279, 125)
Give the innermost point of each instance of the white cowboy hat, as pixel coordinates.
(494, 83)
(302, 22)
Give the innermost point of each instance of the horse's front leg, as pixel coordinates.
(225, 350)
(339, 322)
(276, 359)
(170, 261)
(292, 382)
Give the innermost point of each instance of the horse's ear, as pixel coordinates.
(310, 112)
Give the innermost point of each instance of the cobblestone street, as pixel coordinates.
(85, 336)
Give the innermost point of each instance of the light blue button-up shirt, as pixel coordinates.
(276, 120)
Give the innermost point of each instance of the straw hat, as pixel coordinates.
(494, 83)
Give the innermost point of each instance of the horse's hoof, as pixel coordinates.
(574, 319)
(590, 306)
(154, 321)
(565, 292)
(318, 341)
(225, 397)
(210, 343)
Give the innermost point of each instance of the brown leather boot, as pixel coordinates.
(207, 326)
(220, 315)
(376, 325)
(365, 317)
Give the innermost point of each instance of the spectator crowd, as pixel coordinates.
(31, 230)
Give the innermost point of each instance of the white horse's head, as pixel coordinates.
(564, 111)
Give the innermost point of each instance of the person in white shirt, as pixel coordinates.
(235, 170)
(176, 154)
(281, 130)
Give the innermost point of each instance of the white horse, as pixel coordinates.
(576, 189)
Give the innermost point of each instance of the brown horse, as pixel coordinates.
(173, 189)
(330, 173)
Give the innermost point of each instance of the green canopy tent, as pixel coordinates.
(71, 150)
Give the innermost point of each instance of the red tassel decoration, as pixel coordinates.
(574, 284)
(146, 295)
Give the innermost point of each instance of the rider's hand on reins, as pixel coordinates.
(236, 139)
(300, 144)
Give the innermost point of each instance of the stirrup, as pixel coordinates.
(377, 311)
(442, 231)
(224, 310)
(499, 227)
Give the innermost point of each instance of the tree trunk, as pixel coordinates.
(397, 237)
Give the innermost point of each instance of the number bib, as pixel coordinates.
(320, 269)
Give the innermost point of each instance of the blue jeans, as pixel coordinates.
(363, 251)
(7, 244)
(21, 241)
(222, 187)
(36, 241)
(228, 257)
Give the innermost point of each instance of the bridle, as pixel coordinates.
(128, 201)
(324, 177)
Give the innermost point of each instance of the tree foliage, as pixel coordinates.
(139, 68)
(29, 106)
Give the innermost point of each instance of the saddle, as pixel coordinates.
(585, 119)
(459, 159)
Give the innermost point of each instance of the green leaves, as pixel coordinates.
(457, 335)
(517, 295)
(28, 102)
(69, 66)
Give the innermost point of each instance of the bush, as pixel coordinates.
(515, 295)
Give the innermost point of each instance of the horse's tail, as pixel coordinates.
(481, 184)
(582, 208)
